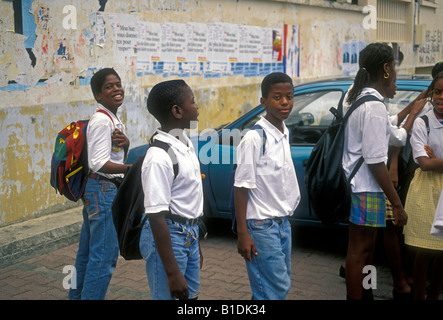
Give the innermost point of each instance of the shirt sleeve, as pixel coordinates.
(419, 138)
(375, 136)
(248, 153)
(99, 137)
(157, 176)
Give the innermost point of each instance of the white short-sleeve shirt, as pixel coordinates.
(420, 137)
(270, 178)
(182, 196)
(367, 134)
(99, 137)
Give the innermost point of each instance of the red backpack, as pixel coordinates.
(69, 164)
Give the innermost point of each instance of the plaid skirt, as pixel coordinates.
(368, 209)
(421, 203)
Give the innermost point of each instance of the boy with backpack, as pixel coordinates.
(169, 240)
(266, 192)
(107, 149)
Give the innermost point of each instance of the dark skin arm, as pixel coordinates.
(430, 164)
(381, 175)
(412, 109)
(245, 244)
(162, 238)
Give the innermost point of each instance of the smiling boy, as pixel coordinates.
(107, 148)
(266, 192)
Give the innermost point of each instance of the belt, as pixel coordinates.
(181, 219)
(116, 181)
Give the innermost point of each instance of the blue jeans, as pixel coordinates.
(188, 259)
(270, 270)
(98, 248)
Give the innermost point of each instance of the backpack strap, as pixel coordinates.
(262, 133)
(166, 147)
(357, 166)
(426, 120)
(357, 103)
(104, 112)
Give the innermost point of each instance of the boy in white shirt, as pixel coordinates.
(107, 149)
(266, 192)
(173, 203)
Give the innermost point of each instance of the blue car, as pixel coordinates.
(310, 117)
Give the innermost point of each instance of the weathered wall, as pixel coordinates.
(42, 92)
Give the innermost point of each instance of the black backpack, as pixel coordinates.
(128, 206)
(328, 189)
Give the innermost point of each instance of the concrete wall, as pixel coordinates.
(43, 91)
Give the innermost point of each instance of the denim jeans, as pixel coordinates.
(270, 270)
(98, 248)
(188, 259)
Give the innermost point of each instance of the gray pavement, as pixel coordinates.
(34, 253)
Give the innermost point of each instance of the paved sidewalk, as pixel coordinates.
(315, 263)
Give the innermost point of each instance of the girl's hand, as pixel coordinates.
(430, 152)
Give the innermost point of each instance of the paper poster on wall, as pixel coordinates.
(292, 51)
(173, 51)
(197, 47)
(98, 35)
(277, 45)
(251, 44)
(217, 61)
(148, 47)
(124, 27)
(213, 50)
(351, 53)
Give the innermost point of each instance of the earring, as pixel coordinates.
(386, 75)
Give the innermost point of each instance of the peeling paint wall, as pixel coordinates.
(44, 74)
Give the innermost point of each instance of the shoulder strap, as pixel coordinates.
(262, 133)
(359, 102)
(166, 146)
(104, 112)
(426, 120)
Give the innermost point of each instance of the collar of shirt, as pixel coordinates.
(115, 119)
(183, 144)
(271, 129)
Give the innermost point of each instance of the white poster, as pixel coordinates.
(124, 27)
(173, 46)
(197, 47)
(251, 44)
(148, 46)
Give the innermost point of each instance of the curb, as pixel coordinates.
(25, 240)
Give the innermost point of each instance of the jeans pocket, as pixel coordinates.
(90, 201)
(258, 226)
(108, 187)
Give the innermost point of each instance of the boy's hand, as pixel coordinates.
(246, 246)
(178, 286)
(119, 139)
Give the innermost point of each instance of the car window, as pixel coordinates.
(310, 115)
(400, 101)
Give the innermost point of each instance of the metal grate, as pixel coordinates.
(392, 21)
